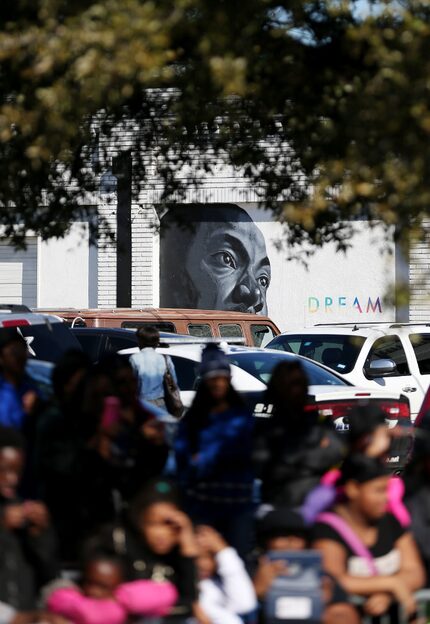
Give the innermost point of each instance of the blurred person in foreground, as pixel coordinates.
(365, 548)
(28, 546)
(226, 591)
(294, 448)
(18, 396)
(284, 531)
(213, 452)
(157, 542)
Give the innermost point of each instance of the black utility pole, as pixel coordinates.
(122, 169)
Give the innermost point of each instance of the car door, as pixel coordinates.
(403, 380)
(419, 345)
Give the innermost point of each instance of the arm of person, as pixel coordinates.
(334, 557)
(412, 572)
(237, 585)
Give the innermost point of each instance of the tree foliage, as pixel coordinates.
(326, 112)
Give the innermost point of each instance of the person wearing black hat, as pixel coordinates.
(213, 450)
(18, 397)
(364, 547)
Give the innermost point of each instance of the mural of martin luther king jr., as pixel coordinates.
(213, 257)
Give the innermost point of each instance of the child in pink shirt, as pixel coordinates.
(104, 598)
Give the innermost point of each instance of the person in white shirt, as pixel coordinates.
(226, 590)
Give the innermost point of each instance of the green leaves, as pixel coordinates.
(326, 112)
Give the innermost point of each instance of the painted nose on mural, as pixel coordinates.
(248, 294)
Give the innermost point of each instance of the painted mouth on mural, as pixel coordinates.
(244, 308)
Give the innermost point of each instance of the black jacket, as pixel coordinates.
(27, 562)
(291, 461)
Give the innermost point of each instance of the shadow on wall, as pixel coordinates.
(213, 257)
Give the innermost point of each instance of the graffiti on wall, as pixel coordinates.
(213, 257)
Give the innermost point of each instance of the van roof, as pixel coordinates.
(158, 314)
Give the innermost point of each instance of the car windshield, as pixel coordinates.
(261, 365)
(335, 351)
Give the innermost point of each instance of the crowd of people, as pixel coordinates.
(114, 511)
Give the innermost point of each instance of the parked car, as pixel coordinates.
(391, 356)
(47, 336)
(329, 393)
(253, 329)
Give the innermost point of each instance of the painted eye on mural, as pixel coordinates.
(264, 281)
(226, 259)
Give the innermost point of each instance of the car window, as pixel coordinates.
(161, 326)
(200, 330)
(116, 343)
(337, 352)
(262, 335)
(49, 342)
(90, 344)
(390, 347)
(230, 330)
(186, 372)
(421, 346)
(261, 365)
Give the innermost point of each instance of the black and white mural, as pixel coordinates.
(216, 260)
(231, 257)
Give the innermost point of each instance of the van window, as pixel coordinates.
(390, 347)
(262, 335)
(200, 330)
(164, 327)
(421, 345)
(230, 330)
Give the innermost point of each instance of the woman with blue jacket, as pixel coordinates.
(214, 450)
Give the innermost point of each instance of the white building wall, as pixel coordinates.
(63, 270)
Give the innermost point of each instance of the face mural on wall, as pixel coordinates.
(215, 260)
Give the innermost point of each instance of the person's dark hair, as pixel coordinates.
(9, 335)
(197, 416)
(69, 364)
(148, 336)
(360, 468)
(98, 554)
(11, 438)
(281, 521)
(111, 363)
(280, 377)
(155, 491)
(363, 420)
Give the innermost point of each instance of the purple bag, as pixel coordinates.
(351, 538)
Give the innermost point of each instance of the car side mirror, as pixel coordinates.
(380, 368)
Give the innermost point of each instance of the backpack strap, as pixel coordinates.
(350, 538)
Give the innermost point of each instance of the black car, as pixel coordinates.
(99, 341)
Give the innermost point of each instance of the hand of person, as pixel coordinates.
(200, 615)
(37, 515)
(187, 539)
(210, 540)
(404, 596)
(29, 401)
(153, 431)
(267, 572)
(14, 517)
(378, 604)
